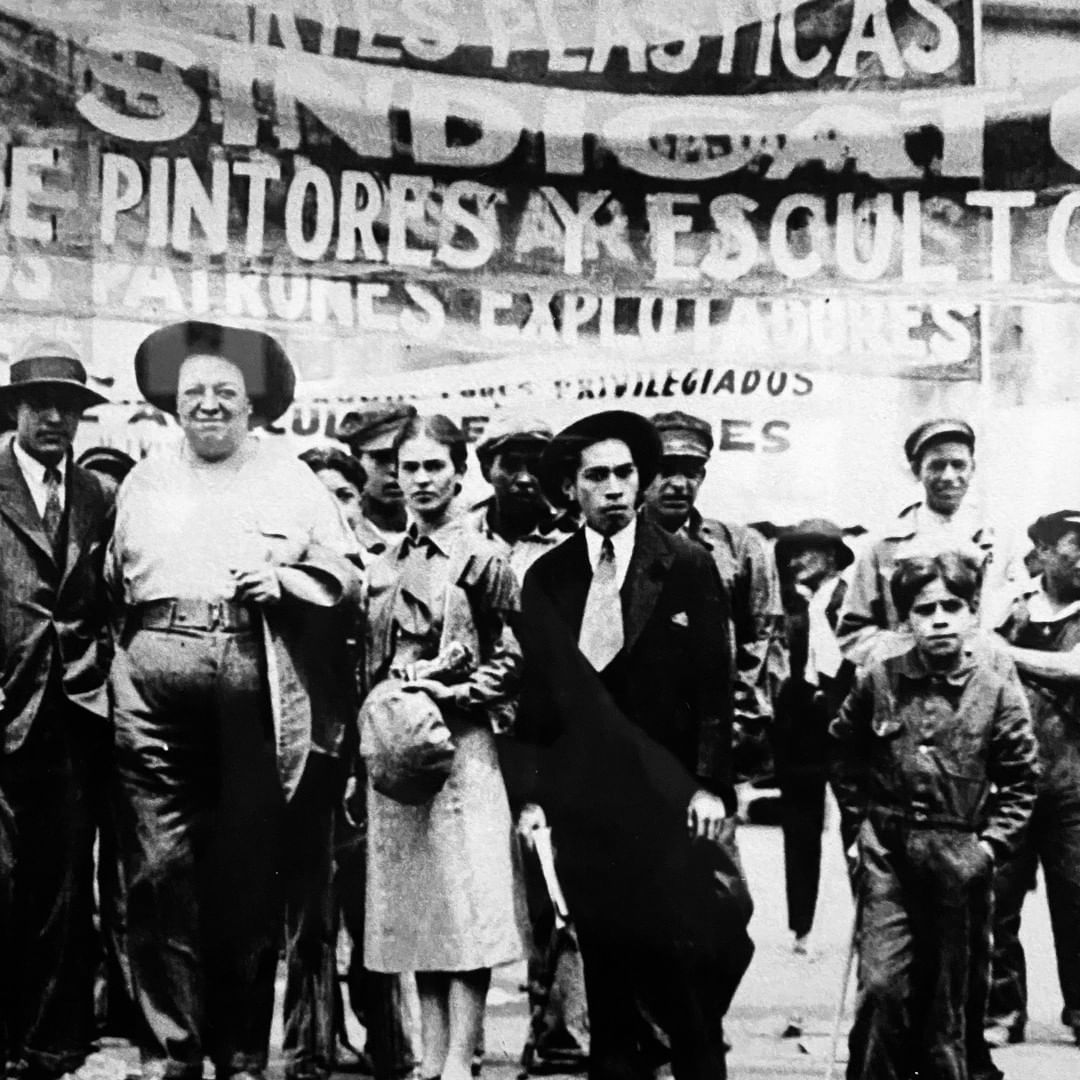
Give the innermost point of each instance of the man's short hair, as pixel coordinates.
(959, 572)
(320, 458)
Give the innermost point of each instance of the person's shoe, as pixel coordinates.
(802, 945)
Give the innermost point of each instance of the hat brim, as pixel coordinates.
(268, 374)
(87, 397)
(560, 454)
(789, 541)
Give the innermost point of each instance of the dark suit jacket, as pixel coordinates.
(52, 617)
(672, 678)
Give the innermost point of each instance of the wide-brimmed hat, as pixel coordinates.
(814, 532)
(933, 431)
(374, 427)
(269, 378)
(41, 362)
(563, 452)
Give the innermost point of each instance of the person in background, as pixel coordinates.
(376, 998)
(1042, 628)
(810, 557)
(935, 771)
(442, 895)
(746, 570)
(109, 465)
(54, 656)
(370, 436)
(232, 691)
(941, 455)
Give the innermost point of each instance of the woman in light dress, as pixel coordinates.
(442, 893)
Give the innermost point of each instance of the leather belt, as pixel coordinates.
(225, 616)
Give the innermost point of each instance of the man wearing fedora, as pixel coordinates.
(370, 433)
(941, 455)
(809, 557)
(232, 691)
(623, 627)
(54, 528)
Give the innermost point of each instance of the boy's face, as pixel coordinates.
(939, 622)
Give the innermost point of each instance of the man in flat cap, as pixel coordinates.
(370, 435)
(1042, 628)
(809, 557)
(54, 528)
(623, 628)
(746, 568)
(232, 689)
(941, 455)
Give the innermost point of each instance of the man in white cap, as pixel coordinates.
(232, 691)
(54, 527)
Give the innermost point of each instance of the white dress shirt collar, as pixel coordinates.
(34, 473)
(623, 544)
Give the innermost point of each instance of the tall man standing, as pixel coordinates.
(746, 569)
(641, 780)
(941, 455)
(54, 528)
(232, 691)
(1042, 628)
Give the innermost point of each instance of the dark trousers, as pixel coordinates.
(802, 819)
(1052, 839)
(627, 989)
(46, 993)
(205, 833)
(924, 899)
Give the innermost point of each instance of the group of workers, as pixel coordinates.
(204, 669)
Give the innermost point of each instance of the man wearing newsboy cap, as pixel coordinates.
(941, 455)
(232, 690)
(54, 527)
(1042, 628)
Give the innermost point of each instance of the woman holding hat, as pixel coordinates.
(442, 897)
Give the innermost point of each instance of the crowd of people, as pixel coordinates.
(249, 699)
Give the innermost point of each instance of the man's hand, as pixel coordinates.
(258, 584)
(705, 816)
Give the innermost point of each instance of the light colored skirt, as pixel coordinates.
(443, 884)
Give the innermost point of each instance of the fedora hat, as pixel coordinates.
(561, 454)
(269, 377)
(818, 533)
(41, 362)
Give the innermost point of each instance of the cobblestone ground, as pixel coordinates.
(778, 987)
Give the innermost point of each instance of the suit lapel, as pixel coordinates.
(79, 512)
(571, 577)
(17, 505)
(649, 564)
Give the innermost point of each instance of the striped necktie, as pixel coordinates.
(53, 516)
(601, 635)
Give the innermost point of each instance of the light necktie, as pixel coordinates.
(601, 635)
(54, 512)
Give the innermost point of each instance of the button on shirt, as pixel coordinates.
(622, 542)
(34, 474)
(182, 524)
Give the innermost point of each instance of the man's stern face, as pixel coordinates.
(671, 496)
(809, 566)
(212, 406)
(46, 419)
(513, 477)
(605, 486)
(380, 462)
(940, 621)
(1061, 566)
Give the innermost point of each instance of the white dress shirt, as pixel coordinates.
(34, 474)
(622, 543)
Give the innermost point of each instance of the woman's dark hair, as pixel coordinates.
(960, 573)
(440, 429)
(320, 458)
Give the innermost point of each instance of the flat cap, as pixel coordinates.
(375, 426)
(942, 430)
(683, 435)
(1049, 528)
(504, 431)
(563, 450)
(107, 459)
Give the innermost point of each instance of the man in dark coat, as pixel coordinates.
(54, 527)
(638, 784)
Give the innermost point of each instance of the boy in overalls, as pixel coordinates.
(934, 770)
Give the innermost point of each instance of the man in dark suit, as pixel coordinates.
(54, 527)
(640, 788)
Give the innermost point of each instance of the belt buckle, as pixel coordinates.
(215, 611)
